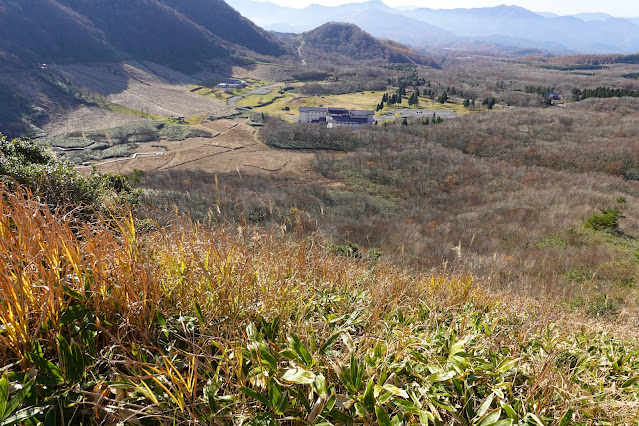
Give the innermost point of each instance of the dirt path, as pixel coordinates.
(299, 51)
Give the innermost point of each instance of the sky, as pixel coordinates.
(619, 8)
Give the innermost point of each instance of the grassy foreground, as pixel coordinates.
(108, 323)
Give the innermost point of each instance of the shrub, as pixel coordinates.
(28, 164)
(607, 220)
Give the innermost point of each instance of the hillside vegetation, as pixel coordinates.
(105, 323)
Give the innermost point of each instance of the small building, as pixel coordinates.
(231, 83)
(553, 96)
(336, 117)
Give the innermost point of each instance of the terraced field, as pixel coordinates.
(233, 147)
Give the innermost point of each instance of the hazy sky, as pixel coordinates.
(621, 8)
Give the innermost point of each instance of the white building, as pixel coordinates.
(336, 117)
(230, 83)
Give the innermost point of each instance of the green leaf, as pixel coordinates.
(491, 418)
(566, 419)
(397, 421)
(408, 407)
(268, 357)
(78, 361)
(510, 411)
(300, 349)
(508, 422)
(264, 419)
(22, 415)
(299, 376)
(369, 397)
(441, 377)
(396, 391)
(536, 419)
(71, 361)
(18, 398)
(198, 313)
(382, 417)
(278, 399)
(4, 394)
(457, 347)
(341, 417)
(320, 386)
(631, 381)
(329, 343)
(255, 395)
(485, 406)
(73, 313)
(47, 367)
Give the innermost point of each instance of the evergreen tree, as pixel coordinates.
(443, 98)
(404, 122)
(466, 103)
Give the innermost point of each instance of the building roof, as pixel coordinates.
(308, 109)
(352, 120)
(359, 112)
(337, 111)
(230, 81)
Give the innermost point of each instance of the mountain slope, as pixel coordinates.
(225, 22)
(173, 32)
(44, 30)
(349, 41)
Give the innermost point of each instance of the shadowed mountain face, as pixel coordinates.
(166, 31)
(351, 42)
(44, 30)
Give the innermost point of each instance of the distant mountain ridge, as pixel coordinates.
(588, 33)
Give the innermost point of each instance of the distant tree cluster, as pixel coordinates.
(392, 99)
(633, 75)
(539, 89)
(579, 67)
(603, 92)
(489, 102)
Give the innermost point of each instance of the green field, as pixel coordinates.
(276, 103)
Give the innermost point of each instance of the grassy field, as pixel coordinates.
(361, 100)
(222, 325)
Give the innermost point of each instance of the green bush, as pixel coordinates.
(30, 165)
(607, 220)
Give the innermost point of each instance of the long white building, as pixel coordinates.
(336, 117)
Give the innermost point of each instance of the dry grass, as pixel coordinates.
(231, 323)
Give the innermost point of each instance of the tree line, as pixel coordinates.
(603, 92)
